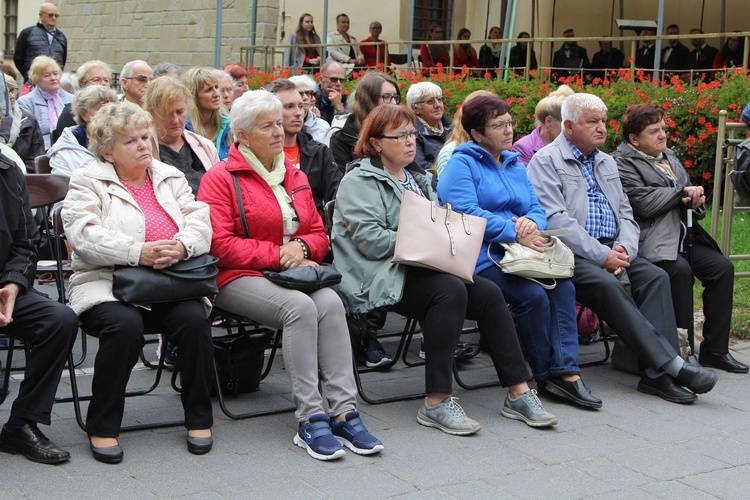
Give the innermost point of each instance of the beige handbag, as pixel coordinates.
(438, 238)
(556, 261)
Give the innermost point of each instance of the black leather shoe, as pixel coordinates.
(696, 378)
(577, 392)
(107, 454)
(723, 362)
(666, 388)
(32, 444)
(199, 446)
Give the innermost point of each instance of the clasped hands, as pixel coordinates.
(693, 196)
(528, 235)
(291, 255)
(162, 253)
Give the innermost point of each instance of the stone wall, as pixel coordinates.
(178, 31)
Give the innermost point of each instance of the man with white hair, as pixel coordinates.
(134, 79)
(579, 187)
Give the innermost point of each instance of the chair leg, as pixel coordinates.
(8, 365)
(607, 352)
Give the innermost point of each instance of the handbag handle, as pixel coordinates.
(546, 286)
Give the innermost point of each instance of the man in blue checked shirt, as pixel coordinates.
(579, 187)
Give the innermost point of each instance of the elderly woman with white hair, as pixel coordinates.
(47, 98)
(313, 124)
(89, 73)
(71, 150)
(276, 228)
(128, 209)
(434, 126)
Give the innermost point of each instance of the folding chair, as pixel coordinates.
(41, 165)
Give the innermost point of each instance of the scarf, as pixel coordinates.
(15, 127)
(54, 106)
(275, 180)
(434, 130)
(495, 48)
(660, 164)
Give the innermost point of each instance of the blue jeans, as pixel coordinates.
(545, 320)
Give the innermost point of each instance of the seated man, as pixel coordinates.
(579, 187)
(49, 328)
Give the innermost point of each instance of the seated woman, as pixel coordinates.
(660, 192)
(463, 53)
(46, 100)
(283, 231)
(343, 47)
(71, 150)
(434, 126)
(167, 100)
(204, 110)
(489, 53)
(373, 89)
(434, 54)
(548, 121)
(365, 223)
(303, 45)
(127, 209)
(20, 130)
(484, 178)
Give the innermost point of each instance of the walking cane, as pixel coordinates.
(690, 239)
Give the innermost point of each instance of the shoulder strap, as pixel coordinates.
(240, 204)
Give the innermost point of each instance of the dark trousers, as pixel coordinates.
(716, 273)
(643, 318)
(442, 302)
(49, 330)
(120, 329)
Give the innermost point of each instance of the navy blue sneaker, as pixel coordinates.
(353, 434)
(375, 355)
(316, 437)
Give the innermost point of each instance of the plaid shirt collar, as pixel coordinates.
(579, 155)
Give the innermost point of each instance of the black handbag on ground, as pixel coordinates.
(188, 279)
(305, 278)
(240, 359)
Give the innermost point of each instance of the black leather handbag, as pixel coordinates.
(305, 278)
(188, 279)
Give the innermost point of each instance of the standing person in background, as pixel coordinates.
(375, 54)
(731, 54)
(489, 54)
(432, 55)
(518, 56)
(331, 100)
(342, 46)
(570, 55)
(608, 58)
(42, 39)
(302, 51)
(644, 57)
(702, 56)
(204, 115)
(675, 57)
(134, 79)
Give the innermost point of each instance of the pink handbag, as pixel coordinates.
(438, 238)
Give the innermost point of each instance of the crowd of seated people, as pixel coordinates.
(155, 177)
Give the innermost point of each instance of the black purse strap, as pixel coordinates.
(240, 205)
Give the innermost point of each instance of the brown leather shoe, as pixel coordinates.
(31, 443)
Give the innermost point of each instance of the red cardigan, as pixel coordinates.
(240, 256)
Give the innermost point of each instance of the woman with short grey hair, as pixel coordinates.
(71, 151)
(434, 126)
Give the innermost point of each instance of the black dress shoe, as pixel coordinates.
(723, 362)
(199, 446)
(107, 454)
(696, 378)
(32, 444)
(577, 392)
(666, 388)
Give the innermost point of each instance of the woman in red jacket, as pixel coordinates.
(281, 230)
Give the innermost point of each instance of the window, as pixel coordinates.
(429, 12)
(11, 26)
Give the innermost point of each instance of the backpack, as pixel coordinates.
(740, 174)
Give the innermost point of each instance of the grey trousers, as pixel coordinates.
(315, 342)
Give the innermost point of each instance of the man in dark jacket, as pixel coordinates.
(608, 58)
(703, 55)
(48, 328)
(312, 157)
(675, 57)
(644, 56)
(43, 39)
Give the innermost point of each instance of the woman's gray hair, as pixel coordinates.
(84, 68)
(573, 106)
(88, 97)
(220, 73)
(251, 104)
(165, 68)
(306, 82)
(420, 90)
(113, 120)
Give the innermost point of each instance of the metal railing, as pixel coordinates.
(729, 136)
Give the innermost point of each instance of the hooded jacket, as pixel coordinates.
(474, 183)
(67, 154)
(364, 235)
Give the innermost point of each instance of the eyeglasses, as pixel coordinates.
(52, 14)
(402, 138)
(499, 125)
(335, 79)
(310, 93)
(140, 78)
(98, 80)
(432, 102)
(388, 98)
(375, 28)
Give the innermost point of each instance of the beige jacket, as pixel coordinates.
(105, 226)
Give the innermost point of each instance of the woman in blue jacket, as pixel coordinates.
(484, 178)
